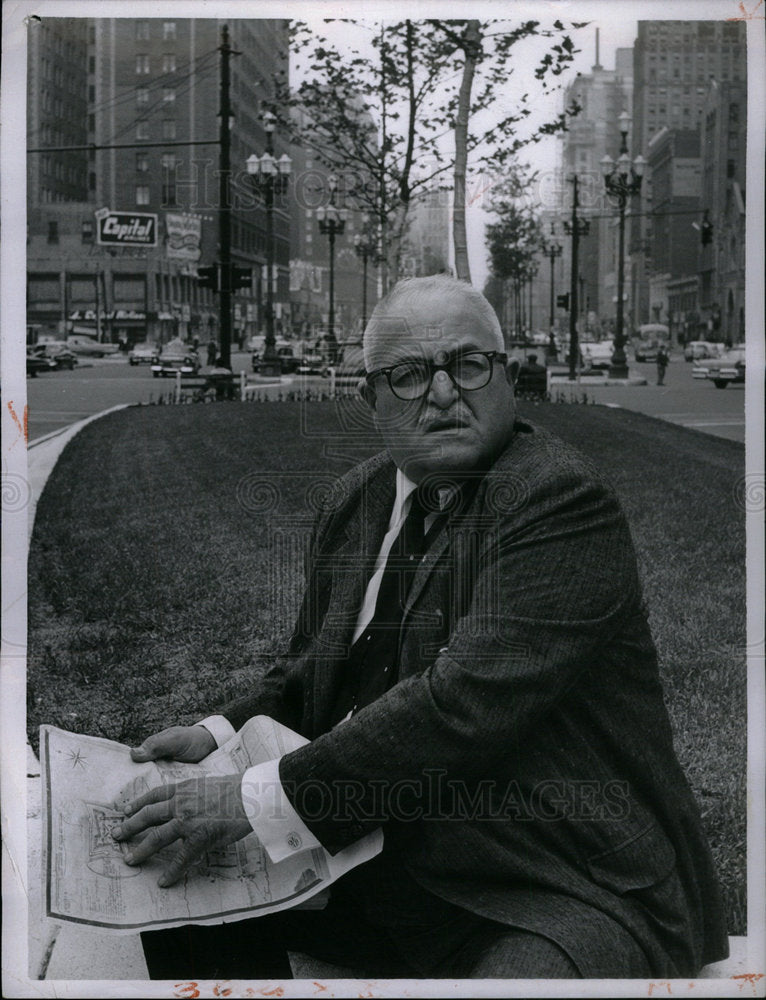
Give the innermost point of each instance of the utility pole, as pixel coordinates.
(224, 203)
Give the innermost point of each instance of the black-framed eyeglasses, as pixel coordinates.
(412, 379)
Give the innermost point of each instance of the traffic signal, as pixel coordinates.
(241, 277)
(207, 277)
(562, 301)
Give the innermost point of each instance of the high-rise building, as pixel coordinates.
(426, 244)
(673, 64)
(56, 109)
(153, 89)
(603, 94)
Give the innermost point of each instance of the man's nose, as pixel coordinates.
(443, 391)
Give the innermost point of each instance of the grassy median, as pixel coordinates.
(166, 562)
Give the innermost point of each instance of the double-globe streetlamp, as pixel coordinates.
(332, 223)
(552, 250)
(622, 180)
(270, 175)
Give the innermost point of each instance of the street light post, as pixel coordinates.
(270, 175)
(621, 179)
(552, 251)
(576, 227)
(332, 223)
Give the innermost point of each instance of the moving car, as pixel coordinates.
(696, 350)
(81, 344)
(176, 356)
(145, 353)
(57, 352)
(730, 367)
(312, 364)
(647, 341)
(37, 362)
(349, 367)
(597, 354)
(287, 360)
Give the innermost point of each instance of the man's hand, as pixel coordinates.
(202, 813)
(185, 743)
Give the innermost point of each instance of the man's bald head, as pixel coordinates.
(414, 309)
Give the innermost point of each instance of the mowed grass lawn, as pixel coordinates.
(165, 570)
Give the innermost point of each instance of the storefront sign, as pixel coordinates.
(126, 228)
(184, 236)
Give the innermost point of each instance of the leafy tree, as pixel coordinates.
(380, 120)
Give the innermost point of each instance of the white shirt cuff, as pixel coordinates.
(219, 728)
(276, 824)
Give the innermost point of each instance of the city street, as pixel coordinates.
(58, 399)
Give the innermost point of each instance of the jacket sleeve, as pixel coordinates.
(548, 588)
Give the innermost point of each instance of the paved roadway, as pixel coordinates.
(57, 399)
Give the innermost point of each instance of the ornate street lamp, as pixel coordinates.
(622, 179)
(552, 250)
(269, 175)
(366, 247)
(575, 227)
(332, 223)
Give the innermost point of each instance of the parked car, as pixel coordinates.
(81, 344)
(597, 355)
(532, 379)
(729, 367)
(287, 359)
(312, 364)
(143, 354)
(174, 357)
(696, 350)
(57, 352)
(349, 366)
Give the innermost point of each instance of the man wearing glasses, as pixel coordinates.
(495, 707)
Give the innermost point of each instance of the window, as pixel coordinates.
(168, 163)
(91, 64)
(168, 95)
(91, 93)
(142, 30)
(142, 130)
(169, 30)
(169, 128)
(142, 194)
(142, 62)
(142, 95)
(168, 63)
(87, 231)
(53, 231)
(142, 162)
(92, 181)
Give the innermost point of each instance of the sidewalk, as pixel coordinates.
(70, 952)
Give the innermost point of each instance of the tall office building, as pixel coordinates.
(603, 94)
(673, 64)
(153, 96)
(56, 109)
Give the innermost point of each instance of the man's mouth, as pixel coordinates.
(444, 424)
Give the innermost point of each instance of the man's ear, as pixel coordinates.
(512, 370)
(367, 392)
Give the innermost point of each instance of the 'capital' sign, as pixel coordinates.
(126, 229)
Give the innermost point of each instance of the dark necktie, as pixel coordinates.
(371, 667)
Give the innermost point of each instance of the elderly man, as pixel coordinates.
(493, 703)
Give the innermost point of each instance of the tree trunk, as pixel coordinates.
(472, 50)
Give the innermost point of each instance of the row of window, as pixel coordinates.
(143, 63)
(168, 129)
(143, 95)
(68, 48)
(56, 169)
(143, 29)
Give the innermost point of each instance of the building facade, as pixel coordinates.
(151, 99)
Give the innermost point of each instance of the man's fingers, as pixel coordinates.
(156, 838)
(190, 851)
(164, 744)
(148, 815)
(160, 793)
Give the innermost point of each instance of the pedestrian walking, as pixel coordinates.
(212, 351)
(662, 364)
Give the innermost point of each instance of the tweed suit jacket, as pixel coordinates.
(523, 766)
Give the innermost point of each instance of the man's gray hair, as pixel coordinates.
(410, 293)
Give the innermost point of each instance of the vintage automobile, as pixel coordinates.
(82, 344)
(143, 354)
(57, 353)
(729, 367)
(176, 356)
(696, 350)
(287, 359)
